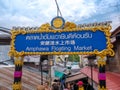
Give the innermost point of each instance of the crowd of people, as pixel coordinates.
(56, 85)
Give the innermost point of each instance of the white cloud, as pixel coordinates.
(37, 12)
(18, 20)
(78, 9)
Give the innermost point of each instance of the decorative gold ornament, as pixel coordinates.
(44, 27)
(18, 62)
(101, 63)
(102, 88)
(58, 22)
(70, 25)
(17, 86)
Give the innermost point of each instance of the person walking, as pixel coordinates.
(46, 85)
(40, 87)
(67, 86)
(55, 86)
(80, 85)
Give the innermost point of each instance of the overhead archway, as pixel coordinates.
(70, 40)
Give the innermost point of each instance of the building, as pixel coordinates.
(114, 62)
(4, 43)
(5, 35)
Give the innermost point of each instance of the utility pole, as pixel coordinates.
(40, 69)
(91, 59)
(51, 63)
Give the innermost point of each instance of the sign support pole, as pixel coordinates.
(102, 73)
(18, 73)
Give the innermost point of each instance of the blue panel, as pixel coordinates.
(75, 41)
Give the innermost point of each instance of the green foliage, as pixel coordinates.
(74, 58)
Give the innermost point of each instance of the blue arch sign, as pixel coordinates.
(76, 41)
(94, 40)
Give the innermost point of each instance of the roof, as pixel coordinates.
(5, 36)
(114, 34)
(5, 30)
(75, 77)
(30, 80)
(5, 39)
(87, 72)
(112, 79)
(116, 31)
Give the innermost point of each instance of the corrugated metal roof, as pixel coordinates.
(5, 36)
(116, 31)
(5, 30)
(30, 80)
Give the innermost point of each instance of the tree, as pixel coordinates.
(74, 58)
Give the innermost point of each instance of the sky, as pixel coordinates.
(37, 12)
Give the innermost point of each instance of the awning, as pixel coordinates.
(59, 74)
(75, 77)
(112, 79)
